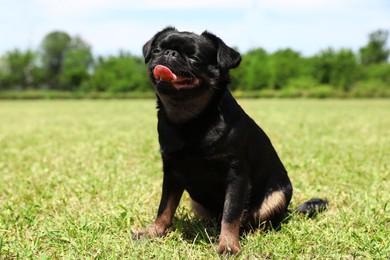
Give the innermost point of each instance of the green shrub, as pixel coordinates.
(323, 91)
(303, 82)
(370, 88)
(380, 71)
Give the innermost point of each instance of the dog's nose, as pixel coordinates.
(171, 53)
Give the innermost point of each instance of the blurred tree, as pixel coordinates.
(345, 71)
(376, 50)
(19, 70)
(77, 62)
(254, 71)
(53, 48)
(284, 65)
(119, 74)
(75, 68)
(337, 68)
(380, 71)
(323, 65)
(67, 60)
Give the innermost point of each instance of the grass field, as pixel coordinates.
(77, 177)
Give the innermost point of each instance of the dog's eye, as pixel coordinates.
(194, 58)
(156, 51)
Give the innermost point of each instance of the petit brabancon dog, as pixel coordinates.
(210, 147)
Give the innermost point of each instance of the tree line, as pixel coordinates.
(64, 62)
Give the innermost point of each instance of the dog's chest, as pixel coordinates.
(203, 178)
(200, 139)
(193, 168)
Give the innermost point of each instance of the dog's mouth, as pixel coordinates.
(179, 81)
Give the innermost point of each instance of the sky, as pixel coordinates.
(307, 26)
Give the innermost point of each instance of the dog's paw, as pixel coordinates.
(151, 232)
(228, 247)
(137, 235)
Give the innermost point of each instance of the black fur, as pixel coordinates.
(312, 207)
(210, 147)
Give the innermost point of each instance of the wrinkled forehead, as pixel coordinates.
(185, 41)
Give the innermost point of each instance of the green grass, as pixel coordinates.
(77, 177)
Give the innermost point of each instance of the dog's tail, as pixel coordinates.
(312, 207)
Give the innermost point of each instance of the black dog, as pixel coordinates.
(210, 147)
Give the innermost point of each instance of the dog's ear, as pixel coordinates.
(146, 50)
(227, 57)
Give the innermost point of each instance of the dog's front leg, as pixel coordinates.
(171, 194)
(236, 193)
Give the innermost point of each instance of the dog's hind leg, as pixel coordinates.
(272, 210)
(273, 207)
(201, 212)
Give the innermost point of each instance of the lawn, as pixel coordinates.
(77, 177)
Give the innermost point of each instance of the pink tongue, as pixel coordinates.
(163, 73)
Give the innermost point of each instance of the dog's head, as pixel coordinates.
(187, 70)
(184, 62)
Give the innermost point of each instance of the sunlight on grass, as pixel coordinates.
(79, 176)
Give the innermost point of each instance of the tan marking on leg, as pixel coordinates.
(273, 204)
(229, 238)
(200, 211)
(164, 220)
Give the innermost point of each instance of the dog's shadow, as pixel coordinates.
(199, 231)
